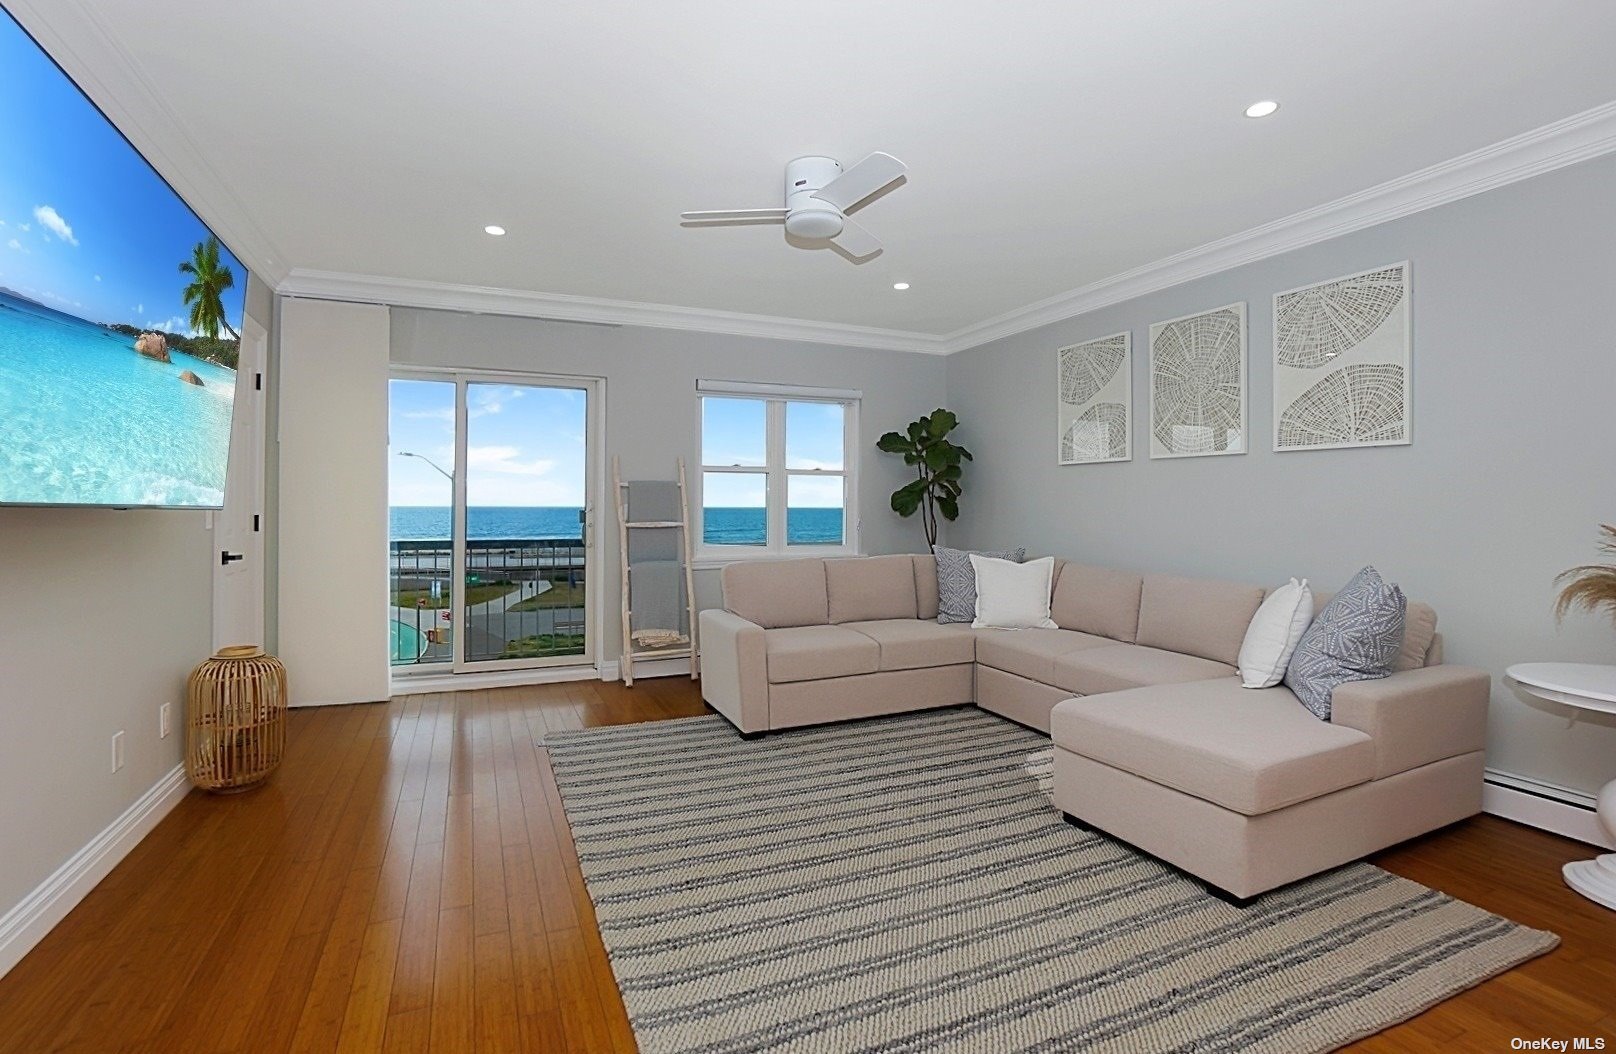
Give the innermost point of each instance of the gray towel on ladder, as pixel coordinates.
(656, 593)
(656, 579)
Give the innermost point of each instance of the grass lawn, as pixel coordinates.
(478, 594)
(559, 595)
(544, 644)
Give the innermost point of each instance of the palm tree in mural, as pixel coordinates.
(209, 280)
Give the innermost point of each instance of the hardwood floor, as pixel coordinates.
(407, 882)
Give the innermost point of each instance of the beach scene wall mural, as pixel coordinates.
(120, 312)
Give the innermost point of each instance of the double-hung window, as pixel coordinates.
(777, 470)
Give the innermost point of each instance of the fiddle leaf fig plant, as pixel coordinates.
(935, 490)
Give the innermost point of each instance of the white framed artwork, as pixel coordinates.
(1094, 393)
(1198, 384)
(1342, 352)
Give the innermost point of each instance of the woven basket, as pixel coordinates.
(235, 728)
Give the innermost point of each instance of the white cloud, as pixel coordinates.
(98, 278)
(445, 414)
(52, 221)
(178, 324)
(140, 309)
(483, 399)
(504, 459)
(15, 244)
(24, 227)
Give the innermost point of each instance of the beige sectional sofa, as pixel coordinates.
(1156, 741)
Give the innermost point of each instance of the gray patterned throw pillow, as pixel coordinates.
(1357, 637)
(956, 580)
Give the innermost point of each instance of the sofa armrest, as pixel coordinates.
(734, 669)
(1417, 716)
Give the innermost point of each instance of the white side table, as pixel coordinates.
(1588, 687)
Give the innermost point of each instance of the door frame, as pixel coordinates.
(239, 587)
(594, 389)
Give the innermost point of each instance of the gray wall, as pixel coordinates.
(1512, 468)
(651, 401)
(103, 613)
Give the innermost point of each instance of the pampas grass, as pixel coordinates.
(1591, 587)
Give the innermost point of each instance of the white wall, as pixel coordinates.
(330, 438)
(103, 613)
(651, 404)
(1512, 468)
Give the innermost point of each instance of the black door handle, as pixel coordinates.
(226, 558)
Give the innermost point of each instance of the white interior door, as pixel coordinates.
(238, 560)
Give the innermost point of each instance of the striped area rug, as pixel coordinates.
(902, 885)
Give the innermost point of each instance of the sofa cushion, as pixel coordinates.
(1252, 751)
(1012, 595)
(812, 653)
(1119, 667)
(870, 587)
(956, 580)
(1419, 629)
(776, 593)
(1419, 633)
(1197, 616)
(1357, 637)
(926, 585)
(1097, 600)
(910, 644)
(1031, 653)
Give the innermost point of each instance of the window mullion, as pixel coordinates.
(775, 455)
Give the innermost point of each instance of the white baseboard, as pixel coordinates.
(1543, 805)
(26, 924)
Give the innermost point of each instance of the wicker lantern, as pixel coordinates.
(235, 728)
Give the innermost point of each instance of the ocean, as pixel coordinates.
(721, 526)
(86, 420)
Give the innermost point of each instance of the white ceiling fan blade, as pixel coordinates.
(862, 180)
(735, 214)
(856, 242)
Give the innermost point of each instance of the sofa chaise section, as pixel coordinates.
(1248, 791)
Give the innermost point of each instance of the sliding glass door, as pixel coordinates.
(491, 486)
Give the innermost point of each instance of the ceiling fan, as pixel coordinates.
(818, 195)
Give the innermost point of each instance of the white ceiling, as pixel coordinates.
(1050, 144)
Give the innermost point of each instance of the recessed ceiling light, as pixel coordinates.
(495, 229)
(1262, 109)
(900, 285)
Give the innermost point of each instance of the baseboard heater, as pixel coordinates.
(1541, 804)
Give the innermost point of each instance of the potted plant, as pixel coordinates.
(937, 462)
(1591, 586)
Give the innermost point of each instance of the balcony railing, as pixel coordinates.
(524, 600)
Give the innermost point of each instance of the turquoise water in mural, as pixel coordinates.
(85, 419)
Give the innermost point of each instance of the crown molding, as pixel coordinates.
(104, 70)
(1576, 138)
(1565, 142)
(562, 307)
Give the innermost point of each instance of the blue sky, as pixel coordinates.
(525, 445)
(86, 226)
(733, 434)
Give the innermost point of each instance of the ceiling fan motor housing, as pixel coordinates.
(808, 217)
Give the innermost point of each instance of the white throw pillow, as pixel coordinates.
(1271, 638)
(1011, 595)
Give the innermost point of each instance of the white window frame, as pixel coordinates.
(778, 477)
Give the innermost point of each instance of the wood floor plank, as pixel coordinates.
(408, 882)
